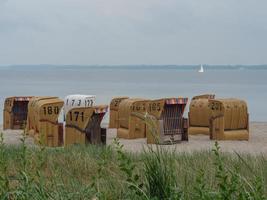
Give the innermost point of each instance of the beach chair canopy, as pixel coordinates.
(115, 102)
(80, 117)
(78, 100)
(48, 109)
(161, 106)
(11, 101)
(31, 120)
(204, 96)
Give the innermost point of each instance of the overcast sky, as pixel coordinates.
(133, 32)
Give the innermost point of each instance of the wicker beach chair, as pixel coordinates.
(169, 124)
(114, 111)
(229, 119)
(83, 125)
(42, 121)
(131, 124)
(199, 114)
(15, 112)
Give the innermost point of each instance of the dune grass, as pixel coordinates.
(109, 172)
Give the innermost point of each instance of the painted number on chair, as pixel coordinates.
(50, 110)
(154, 107)
(89, 103)
(76, 116)
(139, 107)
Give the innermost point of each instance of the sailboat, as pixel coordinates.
(201, 70)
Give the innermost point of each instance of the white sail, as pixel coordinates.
(201, 70)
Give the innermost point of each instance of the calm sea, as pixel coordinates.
(148, 82)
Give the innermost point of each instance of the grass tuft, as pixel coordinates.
(110, 172)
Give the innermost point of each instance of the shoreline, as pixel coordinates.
(257, 144)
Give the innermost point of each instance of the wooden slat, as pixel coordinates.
(172, 119)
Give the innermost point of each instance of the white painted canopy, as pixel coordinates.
(78, 100)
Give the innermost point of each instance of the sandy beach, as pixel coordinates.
(256, 145)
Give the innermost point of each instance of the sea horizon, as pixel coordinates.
(139, 66)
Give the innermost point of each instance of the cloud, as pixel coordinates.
(127, 31)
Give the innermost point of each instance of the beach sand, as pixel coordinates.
(256, 145)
